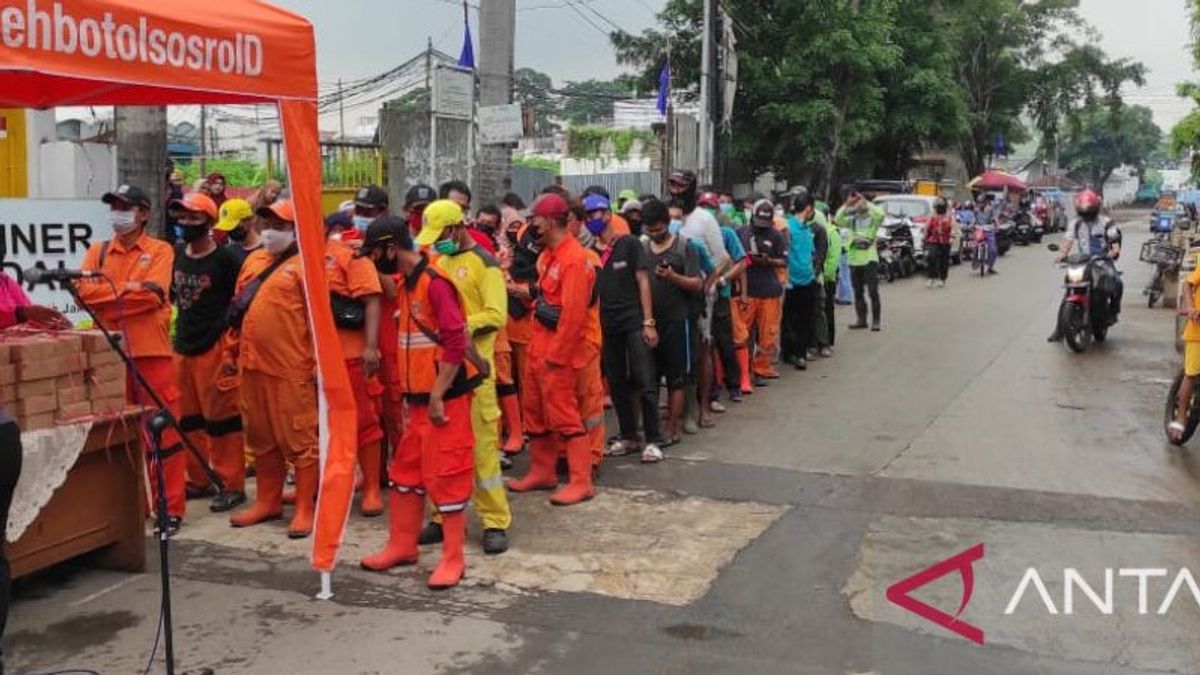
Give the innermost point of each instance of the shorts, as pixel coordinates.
(1191, 359)
(675, 352)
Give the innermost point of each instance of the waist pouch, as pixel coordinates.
(348, 313)
(517, 308)
(547, 314)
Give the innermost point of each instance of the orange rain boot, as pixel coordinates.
(510, 410)
(370, 458)
(579, 461)
(743, 358)
(452, 567)
(404, 526)
(268, 500)
(307, 479)
(543, 455)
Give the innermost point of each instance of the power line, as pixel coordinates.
(586, 18)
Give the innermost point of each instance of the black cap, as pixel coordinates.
(130, 194)
(682, 177)
(371, 196)
(419, 193)
(386, 230)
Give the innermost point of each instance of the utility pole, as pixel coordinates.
(706, 93)
(203, 141)
(497, 40)
(141, 133)
(429, 84)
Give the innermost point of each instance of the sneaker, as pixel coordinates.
(691, 427)
(717, 407)
(942, 283)
(651, 454)
(929, 284)
(431, 534)
(227, 501)
(875, 328)
(826, 352)
(857, 326)
(800, 364)
(495, 541)
(620, 448)
(506, 462)
(736, 395)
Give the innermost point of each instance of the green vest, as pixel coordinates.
(861, 231)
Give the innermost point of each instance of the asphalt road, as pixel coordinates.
(766, 545)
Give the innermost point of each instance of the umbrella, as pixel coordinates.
(997, 180)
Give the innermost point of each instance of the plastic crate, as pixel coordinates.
(1160, 252)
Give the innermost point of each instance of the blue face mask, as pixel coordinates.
(675, 226)
(361, 223)
(596, 226)
(727, 208)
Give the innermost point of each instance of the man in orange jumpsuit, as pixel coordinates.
(140, 268)
(274, 352)
(203, 283)
(437, 373)
(355, 288)
(565, 345)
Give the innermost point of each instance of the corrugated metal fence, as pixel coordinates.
(528, 181)
(641, 182)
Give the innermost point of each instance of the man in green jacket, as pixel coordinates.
(862, 219)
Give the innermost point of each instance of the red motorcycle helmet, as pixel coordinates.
(1088, 203)
(709, 200)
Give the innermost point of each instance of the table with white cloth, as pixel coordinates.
(82, 489)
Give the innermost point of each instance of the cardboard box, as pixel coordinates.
(36, 422)
(8, 394)
(33, 348)
(70, 395)
(108, 405)
(91, 341)
(113, 371)
(49, 368)
(104, 358)
(33, 405)
(5, 352)
(106, 389)
(36, 388)
(72, 380)
(74, 411)
(66, 344)
(8, 374)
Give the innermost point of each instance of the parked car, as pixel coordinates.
(917, 210)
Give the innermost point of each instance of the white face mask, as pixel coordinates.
(277, 241)
(123, 222)
(361, 223)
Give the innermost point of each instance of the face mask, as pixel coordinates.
(386, 265)
(727, 209)
(277, 241)
(596, 226)
(191, 234)
(361, 223)
(446, 247)
(674, 227)
(660, 237)
(511, 235)
(122, 221)
(941, 209)
(414, 222)
(238, 234)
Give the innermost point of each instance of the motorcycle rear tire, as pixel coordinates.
(1193, 417)
(1076, 333)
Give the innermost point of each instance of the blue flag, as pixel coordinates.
(664, 87)
(1001, 146)
(466, 59)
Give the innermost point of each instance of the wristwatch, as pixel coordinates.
(649, 323)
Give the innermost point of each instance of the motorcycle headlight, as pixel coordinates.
(1075, 274)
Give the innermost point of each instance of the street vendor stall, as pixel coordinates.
(135, 52)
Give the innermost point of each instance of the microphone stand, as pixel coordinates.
(161, 420)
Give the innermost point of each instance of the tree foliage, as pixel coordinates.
(591, 101)
(1105, 141)
(533, 90)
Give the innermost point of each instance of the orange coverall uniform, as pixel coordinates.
(357, 278)
(141, 311)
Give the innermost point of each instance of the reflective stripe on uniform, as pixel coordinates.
(451, 508)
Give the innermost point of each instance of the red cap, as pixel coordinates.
(550, 206)
(710, 199)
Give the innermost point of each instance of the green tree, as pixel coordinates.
(534, 91)
(592, 100)
(1104, 141)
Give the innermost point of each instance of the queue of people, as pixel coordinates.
(471, 335)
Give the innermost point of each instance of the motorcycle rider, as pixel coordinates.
(1098, 236)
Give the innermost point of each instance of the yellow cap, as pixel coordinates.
(233, 212)
(437, 217)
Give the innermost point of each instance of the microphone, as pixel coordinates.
(37, 275)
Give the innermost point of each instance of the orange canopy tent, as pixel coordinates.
(137, 52)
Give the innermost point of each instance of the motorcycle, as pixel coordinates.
(888, 267)
(1004, 236)
(1083, 316)
(976, 250)
(1022, 229)
(1166, 259)
(902, 245)
(1192, 418)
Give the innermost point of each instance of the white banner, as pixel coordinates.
(50, 234)
(500, 124)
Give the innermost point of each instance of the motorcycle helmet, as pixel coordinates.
(1088, 203)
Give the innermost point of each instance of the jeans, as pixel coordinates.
(799, 313)
(938, 261)
(993, 250)
(865, 279)
(722, 342)
(629, 368)
(10, 471)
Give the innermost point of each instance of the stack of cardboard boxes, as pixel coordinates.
(49, 379)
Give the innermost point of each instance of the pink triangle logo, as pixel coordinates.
(899, 592)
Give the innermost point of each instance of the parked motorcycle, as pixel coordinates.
(1166, 259)
(1004, 235)
(902, 244)
(1083, 316)
(976, 250)
(1022, 229)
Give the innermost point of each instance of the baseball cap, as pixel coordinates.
(596, 203)
(371, 196)
(196, 201)
(130, 194)
(281, 209)
(438, 216)
(764, 213)
(627, 195)
(419, 193)
(233, 212)
(339, 219)
(550, 206)
(682, 177)
(708, 199)
(386, 230)
(631, 205)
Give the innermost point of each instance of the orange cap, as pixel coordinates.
(198, 202)
(281, 209)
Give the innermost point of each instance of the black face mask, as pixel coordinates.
(237, 234)
(660, 237)
(190, 234)
(386, 265)
(941, 209)
(511, 235)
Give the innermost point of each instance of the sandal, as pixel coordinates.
(1175, 431)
